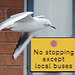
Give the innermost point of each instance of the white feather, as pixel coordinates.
(14, 19)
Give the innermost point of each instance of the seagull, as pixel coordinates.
(25, 23)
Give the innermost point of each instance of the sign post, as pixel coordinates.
(25, 51)
(53, 55)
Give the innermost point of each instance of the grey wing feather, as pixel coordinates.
(22, 39)
(22, 43)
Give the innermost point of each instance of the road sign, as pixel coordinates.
(53, 54)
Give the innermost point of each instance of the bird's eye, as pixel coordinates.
(48, 24)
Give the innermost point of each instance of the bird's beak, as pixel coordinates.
(53, 27)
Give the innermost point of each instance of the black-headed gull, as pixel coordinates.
(23, 22)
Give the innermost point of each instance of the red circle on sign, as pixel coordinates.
(53, 43)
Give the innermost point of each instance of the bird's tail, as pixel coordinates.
(0, 26)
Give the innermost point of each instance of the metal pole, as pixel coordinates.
(25, 51)
(25, 62)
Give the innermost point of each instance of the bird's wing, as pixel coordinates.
(22, 43)
(14, 18)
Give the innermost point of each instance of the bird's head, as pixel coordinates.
(48, 24)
